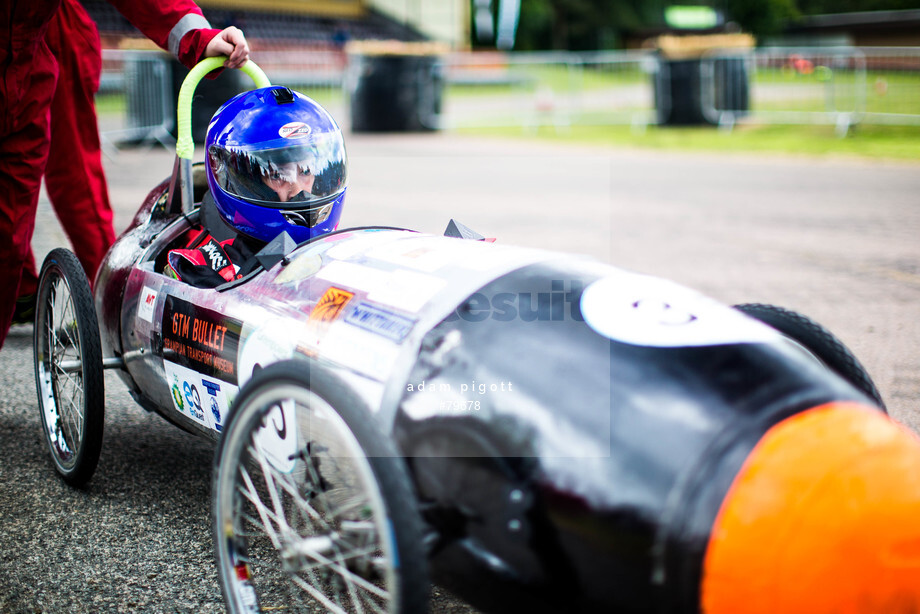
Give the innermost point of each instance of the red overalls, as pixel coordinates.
(28, 76)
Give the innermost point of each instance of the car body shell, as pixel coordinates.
(570, 428)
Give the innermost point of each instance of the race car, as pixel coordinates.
(534, 431)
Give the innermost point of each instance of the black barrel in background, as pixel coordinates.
(682, 93)
(395, 86)
(677, 93)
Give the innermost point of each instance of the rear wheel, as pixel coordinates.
(819, 341)
(68, 367)
(313, 509)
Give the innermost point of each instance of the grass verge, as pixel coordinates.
(863, 141)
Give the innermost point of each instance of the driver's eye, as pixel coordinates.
(275, 175)
(305, 171)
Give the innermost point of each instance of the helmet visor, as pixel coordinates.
(300, 174)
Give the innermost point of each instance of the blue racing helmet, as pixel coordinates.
(276, 161)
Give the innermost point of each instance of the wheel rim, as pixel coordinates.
(303, 520)
(60, 372)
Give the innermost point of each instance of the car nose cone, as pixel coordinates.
(824, 516)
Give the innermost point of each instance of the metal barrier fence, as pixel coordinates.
(840, 86)
(837, 86)
(893, 85)
(141, 81)
(548, 89)
(618, 88)
(502, 89)
(786, 86)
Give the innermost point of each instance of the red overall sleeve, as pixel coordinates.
(177, 26)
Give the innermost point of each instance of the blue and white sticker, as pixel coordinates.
(204, 399)
(649, 311)
(214, 400)
(383, 322)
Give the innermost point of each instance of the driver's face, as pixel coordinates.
(288, 180)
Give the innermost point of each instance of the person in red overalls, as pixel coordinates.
(28, 77)
(74, 177)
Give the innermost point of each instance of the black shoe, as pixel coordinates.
(24, 313)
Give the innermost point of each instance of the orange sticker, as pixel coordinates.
(330, 305)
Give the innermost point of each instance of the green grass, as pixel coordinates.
(110, 104)
(871, 142)
(559, 78)
(877, 92)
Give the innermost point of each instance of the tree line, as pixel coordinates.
(600, 24)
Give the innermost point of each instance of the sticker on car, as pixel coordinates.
(146, 304)
(648, 311)
(201, 339)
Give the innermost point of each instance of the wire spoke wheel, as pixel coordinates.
(312, 510)
(68, 367)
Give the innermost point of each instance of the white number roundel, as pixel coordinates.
(648, 311)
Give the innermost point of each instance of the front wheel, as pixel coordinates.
(313, 509)
(819, 341)
(68, 367)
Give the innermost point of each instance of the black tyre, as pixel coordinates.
(68, 367)
(312, 506)
(819, 341)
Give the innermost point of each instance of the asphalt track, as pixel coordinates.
(836, 239)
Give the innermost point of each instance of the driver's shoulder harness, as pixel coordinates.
(207, 261)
